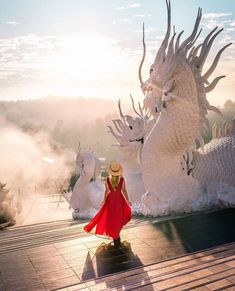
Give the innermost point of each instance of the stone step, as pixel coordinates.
(22, 237)
(212, 268)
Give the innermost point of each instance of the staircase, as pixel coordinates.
(212, 269)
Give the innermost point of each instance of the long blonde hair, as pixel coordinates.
(115, 181)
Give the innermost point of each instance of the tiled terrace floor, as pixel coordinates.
(60, 255)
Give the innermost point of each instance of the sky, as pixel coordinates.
(80, 48)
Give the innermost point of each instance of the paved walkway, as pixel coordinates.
(213, 269)
(59, 255)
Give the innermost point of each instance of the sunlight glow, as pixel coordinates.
(84, 57)
(48, 160)
(88, 65)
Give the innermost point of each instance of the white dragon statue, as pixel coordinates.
(8, 209)
(214, 165)
(88, 192)
(176, 89)
(129, 133)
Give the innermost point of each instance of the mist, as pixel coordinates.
(32, 165)
(38, 146)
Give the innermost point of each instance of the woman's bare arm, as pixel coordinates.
(124, 191)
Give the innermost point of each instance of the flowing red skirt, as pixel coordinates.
(112, 216)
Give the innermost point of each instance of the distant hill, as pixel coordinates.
(39, 139)
(48, 111)
(66, 121)
(69, 120)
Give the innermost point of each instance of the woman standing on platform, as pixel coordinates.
(115, 211)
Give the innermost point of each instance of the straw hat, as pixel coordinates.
(115, 169)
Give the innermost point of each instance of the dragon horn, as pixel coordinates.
(133, 106)
(208, 47)
(191, 44)
(113, 133)
(161, 52)
(177, 44)
(140, 109)
(194, 32)
(120, 112)
(142, 61)
(212, 85)
(215, 62)
(117, 126)
(120, 123)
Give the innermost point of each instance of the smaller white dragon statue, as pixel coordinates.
(88, 192)
(129, 133)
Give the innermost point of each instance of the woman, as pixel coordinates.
(115, 211)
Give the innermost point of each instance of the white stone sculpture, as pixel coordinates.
(176, 89)
(214, 165)
(129, 133)
(88, 193)
(8, 209)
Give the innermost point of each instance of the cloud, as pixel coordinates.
(120, 8)
(232, 23)
(227, 38)
(140, 15)
(22, 58)
(211, 24)
(215, 15)
(211, 20)
(134, 5)
(230, 29)
(13, 23)
(33, 66)
(149, 30)
(124, 20)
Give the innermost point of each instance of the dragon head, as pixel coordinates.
(163, 84)
(129, 130)
(158, 87)
(87, 163)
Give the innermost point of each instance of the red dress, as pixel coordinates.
(113, 215)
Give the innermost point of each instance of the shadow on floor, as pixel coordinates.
(109, 260)
(199, 231)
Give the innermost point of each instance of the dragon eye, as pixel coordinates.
(130, 127)
(151, 70)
